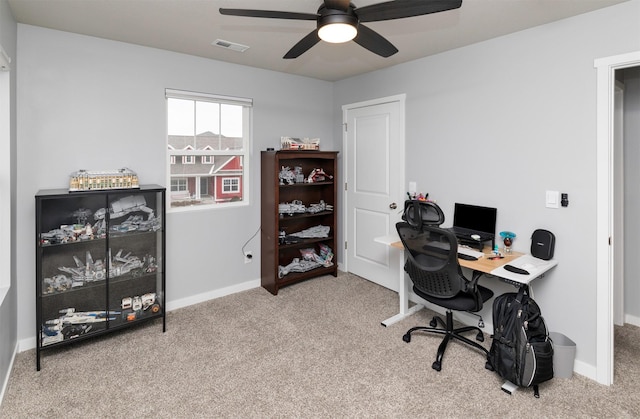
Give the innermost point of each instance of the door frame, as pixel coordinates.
(618, 205)
(605, 201)
(401, 99)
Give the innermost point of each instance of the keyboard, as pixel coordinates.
(468, 253)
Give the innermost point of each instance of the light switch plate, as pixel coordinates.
(553, 199)
(413, 187)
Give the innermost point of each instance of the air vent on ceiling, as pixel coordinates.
(230, 45)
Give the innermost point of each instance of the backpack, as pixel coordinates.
(521, 351)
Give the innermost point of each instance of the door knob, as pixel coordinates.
(393, 205)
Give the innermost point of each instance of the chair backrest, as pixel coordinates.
(432, 264)
(420, 213)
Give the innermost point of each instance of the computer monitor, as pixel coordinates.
(468, 219)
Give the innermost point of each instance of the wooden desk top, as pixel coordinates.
(483, 264)
(536, 267)
(486, 265)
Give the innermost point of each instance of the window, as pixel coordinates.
(178, 184)
(208, 143)
(230, 185)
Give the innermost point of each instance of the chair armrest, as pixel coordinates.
(472, 289)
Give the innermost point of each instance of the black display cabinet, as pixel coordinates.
(100, 262)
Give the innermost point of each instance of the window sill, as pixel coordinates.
(215, 207)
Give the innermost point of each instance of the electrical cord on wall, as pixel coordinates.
(249, 256)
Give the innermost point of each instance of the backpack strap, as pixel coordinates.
(522, 291)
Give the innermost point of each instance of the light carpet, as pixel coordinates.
(315, 350)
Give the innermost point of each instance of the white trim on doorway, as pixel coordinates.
(604, 207)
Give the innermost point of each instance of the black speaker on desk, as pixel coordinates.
(542, 244)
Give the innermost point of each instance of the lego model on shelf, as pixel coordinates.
(92, 271)
(92, 180)
(134, 308)
(72, 324)
(298, 216)
(291, 143)
(100, 262)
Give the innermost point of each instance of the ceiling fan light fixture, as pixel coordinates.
(337, 33)
(340, 21)
(337, 27)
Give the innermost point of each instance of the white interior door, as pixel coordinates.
(374, 136)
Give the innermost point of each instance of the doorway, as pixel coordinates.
(374, 181)
(606, 202)
(626, 111)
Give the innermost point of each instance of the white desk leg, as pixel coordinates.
(403, 295)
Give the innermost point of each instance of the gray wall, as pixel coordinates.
(91, 103)
(498, 123)
(8, 327)
(631, 79)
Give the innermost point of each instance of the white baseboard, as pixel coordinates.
(30, 342)
(632, 320)
(210, 295)
(26, 344)
(586, 370)
(6, 378)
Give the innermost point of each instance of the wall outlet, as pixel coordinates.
(248, 256)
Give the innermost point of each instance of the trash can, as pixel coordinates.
(564, 353)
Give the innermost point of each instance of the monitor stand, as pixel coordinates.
(477, 244)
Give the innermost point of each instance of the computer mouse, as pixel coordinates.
(475, 237)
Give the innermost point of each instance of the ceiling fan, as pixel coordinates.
(340, 21)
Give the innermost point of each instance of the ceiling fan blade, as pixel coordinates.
(374, 42)
(399, 9)
(337, 4)
(303, 45)
(271, 14)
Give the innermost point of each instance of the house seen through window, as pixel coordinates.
(208, 143)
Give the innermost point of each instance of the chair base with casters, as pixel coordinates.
(446, 326)
(432, 264)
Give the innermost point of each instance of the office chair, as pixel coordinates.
(432, 265)
(418, 213)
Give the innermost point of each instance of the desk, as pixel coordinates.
(393, 240)
(536, 268)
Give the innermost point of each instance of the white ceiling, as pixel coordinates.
(190, 27)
